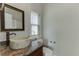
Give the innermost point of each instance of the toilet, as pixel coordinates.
(47, 51)
(48, 48)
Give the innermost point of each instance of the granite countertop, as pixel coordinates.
(19, 52)
(6, 51)
(9, 52)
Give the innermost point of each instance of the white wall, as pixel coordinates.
(61, 23)
(26, 7)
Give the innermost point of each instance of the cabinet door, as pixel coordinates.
(38, 52)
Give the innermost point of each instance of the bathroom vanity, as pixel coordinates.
(31, 50)
(37, 52)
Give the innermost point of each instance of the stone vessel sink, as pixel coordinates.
(19, 42)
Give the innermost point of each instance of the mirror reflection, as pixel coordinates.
(13, 19)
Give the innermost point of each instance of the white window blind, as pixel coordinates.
(34, 23)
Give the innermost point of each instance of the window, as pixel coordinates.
(34, 23)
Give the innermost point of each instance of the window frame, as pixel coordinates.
(35, 25)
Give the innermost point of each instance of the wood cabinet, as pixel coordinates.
(38, 52)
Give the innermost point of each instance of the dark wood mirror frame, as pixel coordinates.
(3, 18)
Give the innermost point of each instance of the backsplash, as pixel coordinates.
(3, 44)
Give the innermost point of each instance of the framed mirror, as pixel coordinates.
(12, 18)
